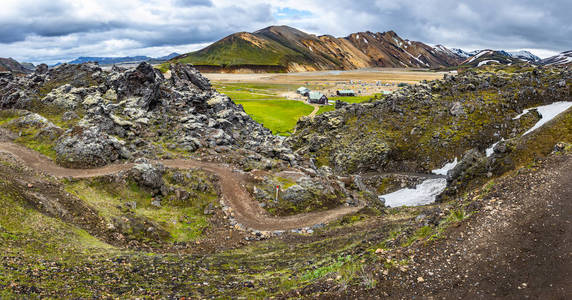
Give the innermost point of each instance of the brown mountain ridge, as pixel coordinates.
(283, 48)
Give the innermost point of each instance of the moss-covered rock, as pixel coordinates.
(421, 127)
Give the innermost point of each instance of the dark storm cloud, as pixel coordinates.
(54, 28)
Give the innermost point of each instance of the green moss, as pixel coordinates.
(420, 234)
(357, 99)
(7, 116)
(183, 220)
(26, 231)
(284, 182)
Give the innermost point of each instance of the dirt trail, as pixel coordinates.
(315, 111)
(246, 210)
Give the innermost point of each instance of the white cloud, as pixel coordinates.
(56, 30)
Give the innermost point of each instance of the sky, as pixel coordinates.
(53, 31)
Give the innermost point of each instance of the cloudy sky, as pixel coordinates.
(60, 30)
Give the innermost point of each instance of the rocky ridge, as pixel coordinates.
(126, 114)
(419, 128)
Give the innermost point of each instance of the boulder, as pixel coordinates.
(148, 175)
(470, 159)
(88, 147)
(183, 75)
(31, 120)
(457, 109)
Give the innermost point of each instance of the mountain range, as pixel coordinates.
(11, 65)
(122, 60)
(283, 48)
(286, 49)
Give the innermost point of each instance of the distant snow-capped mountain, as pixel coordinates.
(461, 53)
(522, 54)
(118, 60)
(563, 58)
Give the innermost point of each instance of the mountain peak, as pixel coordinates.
(289, 49)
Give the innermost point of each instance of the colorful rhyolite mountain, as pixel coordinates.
(283, 48)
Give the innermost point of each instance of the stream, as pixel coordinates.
(429, 189)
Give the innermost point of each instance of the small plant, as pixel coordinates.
(457, 215)
(488, 187)
(420, 234)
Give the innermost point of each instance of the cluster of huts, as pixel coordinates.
(319, 98)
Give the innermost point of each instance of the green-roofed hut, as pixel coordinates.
(317, 98)
(304, 91)
(346, 93)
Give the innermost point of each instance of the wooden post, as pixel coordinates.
(277, 189)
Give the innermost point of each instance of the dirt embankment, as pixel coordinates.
(517, 245)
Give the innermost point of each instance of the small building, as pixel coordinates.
(317, 98)
(304, 91)
(346, 93)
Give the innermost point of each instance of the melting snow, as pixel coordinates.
(446, 168)
(428, 190)
(484, 62)
(478, 55)
(547, 112)
(423, 193)
(490, 150)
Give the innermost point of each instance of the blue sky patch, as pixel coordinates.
(291, 13)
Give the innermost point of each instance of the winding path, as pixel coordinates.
(246, 210)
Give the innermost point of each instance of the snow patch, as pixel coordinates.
(484, 62)
(527, 56)
(423, 193)
(490, 150)
(417, 59)
(547, 112)
(446, 168)
(461, 52)
(478, 55)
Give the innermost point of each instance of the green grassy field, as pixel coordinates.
(325, 108)
(263, 103)
(356, 99)
(280, 116)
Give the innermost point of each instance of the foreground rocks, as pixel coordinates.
(128, 114)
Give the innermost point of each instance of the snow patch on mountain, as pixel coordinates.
(523, 54)
(560, 59)
(484, 62)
